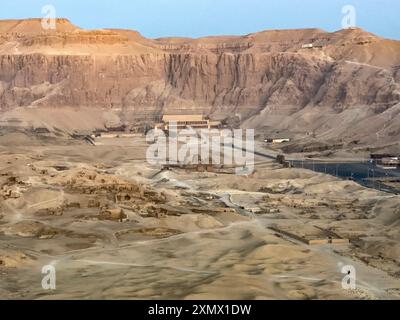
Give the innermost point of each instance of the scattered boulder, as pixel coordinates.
(31, 229)
(158, 232)
(113, 214)
(73, 205)
(92, 203)
(58, 211)
(13, 259)
(8, 192)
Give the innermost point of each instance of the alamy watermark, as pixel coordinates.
(350, 17)
(349, 280)
(217, 147)
(49, 280)
(49, 21)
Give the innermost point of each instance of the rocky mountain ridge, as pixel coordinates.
(299, 81)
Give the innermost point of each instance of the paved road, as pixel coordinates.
(364, 173)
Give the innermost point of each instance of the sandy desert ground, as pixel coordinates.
(116, 227)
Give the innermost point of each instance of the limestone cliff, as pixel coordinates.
(261, 77)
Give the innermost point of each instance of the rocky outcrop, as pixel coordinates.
(267, 73)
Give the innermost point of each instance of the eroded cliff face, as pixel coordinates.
(73, 80)
(268, 73)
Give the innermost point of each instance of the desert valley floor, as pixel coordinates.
(116, 227)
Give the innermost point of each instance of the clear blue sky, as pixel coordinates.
(195, 18)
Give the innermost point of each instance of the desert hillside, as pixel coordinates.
(347, 86)
(290, 220)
